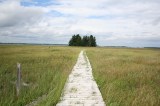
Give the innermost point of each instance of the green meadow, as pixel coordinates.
(44, 68)
(125, 77)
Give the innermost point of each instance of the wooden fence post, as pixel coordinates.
(18, 83)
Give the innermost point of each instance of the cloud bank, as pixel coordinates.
(113, 22)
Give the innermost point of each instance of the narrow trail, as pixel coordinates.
(80, 88)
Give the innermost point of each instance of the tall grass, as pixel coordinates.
(127, 77)
(44, 68)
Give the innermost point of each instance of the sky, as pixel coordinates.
(134, 23)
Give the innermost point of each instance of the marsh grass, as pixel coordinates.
(44, 68)
(127, 77)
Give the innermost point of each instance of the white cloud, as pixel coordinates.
(12, 14)
(113, 22)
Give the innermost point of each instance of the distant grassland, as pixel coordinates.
(44, 68)
(127, 77)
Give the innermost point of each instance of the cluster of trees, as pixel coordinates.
(77, 40)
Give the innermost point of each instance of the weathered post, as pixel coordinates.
(18, 83)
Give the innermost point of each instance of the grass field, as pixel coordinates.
(44, 68)
(127, 77)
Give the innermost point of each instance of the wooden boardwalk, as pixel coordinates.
(80, 88)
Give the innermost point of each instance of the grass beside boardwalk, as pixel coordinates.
(44, 68)
(127, 77)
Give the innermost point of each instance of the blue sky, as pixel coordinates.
(42, 3)
(133, 23)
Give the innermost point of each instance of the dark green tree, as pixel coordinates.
(85, 41)
(94, 42)
(72, 40)
(76, 40)
(91, 40)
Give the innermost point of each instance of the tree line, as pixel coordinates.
(77, 40)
